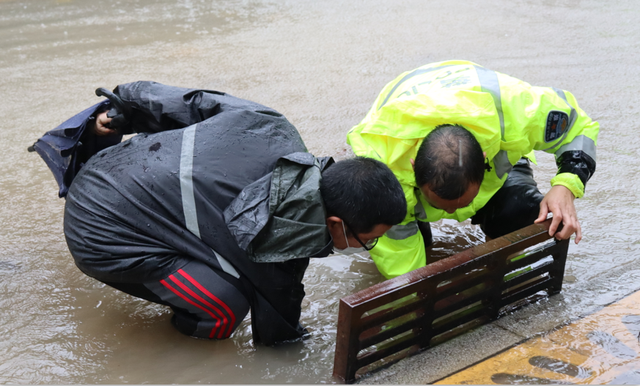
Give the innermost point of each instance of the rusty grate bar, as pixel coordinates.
(418, 310)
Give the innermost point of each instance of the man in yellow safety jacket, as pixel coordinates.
(508, 119)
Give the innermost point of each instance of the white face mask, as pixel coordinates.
(348, 250)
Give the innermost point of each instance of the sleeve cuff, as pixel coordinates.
(571, 182)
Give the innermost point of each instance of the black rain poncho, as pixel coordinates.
(139, 210)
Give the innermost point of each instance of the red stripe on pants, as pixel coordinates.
(174, 290)
(212, 297)
(213, 308)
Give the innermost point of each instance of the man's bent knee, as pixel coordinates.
(205, 304)
(515, 206)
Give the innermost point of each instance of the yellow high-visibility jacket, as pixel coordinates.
(509, 118)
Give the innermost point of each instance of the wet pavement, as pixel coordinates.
(321, 64)
(601, 348)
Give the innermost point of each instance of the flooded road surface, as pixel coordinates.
(321, 64)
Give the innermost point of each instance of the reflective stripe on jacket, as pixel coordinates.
(509, 118)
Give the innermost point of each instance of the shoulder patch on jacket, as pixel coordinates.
(557, 124)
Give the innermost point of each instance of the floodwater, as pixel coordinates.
(321, 63)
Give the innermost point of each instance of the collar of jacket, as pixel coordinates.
(281, 216)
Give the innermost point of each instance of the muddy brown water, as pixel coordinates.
(321, 64)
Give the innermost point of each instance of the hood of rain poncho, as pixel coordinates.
(282, 216)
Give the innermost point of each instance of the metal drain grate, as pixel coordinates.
(410, 313)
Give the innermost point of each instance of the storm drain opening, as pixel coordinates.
(382, 324)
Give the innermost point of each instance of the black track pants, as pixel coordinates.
(515, 206)
(206, 305)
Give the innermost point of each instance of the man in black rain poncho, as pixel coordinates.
(215, 208)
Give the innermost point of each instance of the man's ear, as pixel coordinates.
(334, 222)
(484, 154)
(334, 225)
(413, 163)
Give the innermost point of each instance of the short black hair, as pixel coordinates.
(364, 193)
(448, 161)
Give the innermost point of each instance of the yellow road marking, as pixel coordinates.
(599, 349)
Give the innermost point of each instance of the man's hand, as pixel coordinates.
(559, 201)
(102, 123)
